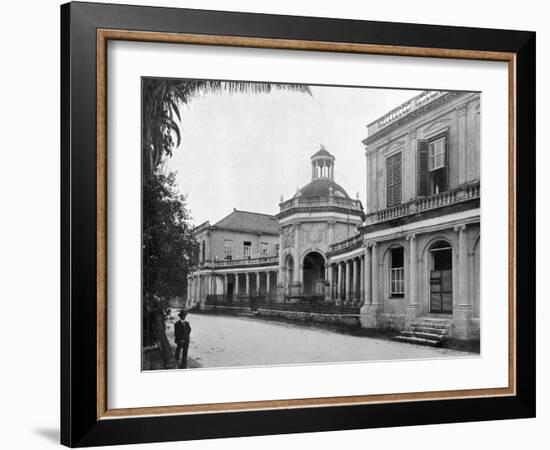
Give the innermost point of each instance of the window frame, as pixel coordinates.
(400, 271)
(441, 154)
(247, 249)
(228, 249)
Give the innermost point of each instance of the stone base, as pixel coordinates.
(462, 327)
(412, 312)
(370, 316)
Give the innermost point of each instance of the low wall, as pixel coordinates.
(227, 309)
(299, 316)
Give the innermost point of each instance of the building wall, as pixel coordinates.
(214, 243)
(460, 117)
(392, 305)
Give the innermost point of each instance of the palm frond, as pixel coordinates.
(163, 97)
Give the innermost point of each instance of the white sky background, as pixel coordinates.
(244, 151)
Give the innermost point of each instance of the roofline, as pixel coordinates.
(399, 106)
(205, 224)
(247, 212)
(237, 230)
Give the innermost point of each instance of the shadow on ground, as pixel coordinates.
(49, 434)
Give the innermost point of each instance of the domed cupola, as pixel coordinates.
(322, 193)
(322, 182)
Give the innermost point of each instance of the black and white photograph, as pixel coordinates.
(288, 224)
(276, 225)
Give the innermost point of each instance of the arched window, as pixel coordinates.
(397, 272)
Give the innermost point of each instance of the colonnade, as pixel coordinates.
(246, 283)
(346, 280)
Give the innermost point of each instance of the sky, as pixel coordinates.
(245, 151)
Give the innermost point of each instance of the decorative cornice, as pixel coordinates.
(409, 117)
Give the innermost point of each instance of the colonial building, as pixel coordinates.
(236, 256)
(318, 216)
(413, 255)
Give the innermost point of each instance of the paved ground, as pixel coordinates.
(223, 341)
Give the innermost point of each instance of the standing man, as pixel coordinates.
(182, 331)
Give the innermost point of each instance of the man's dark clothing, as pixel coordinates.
(182, 331)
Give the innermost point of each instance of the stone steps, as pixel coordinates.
(426, 331)
(417, 340)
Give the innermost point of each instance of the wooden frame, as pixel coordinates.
(86, 29)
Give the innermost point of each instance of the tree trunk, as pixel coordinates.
(159, 329)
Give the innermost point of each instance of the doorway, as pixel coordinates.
(314, 274)
(441, 278)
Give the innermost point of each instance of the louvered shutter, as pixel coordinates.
(445, 184)
(393, 180)
(397, 179)
(389, 182)
(422, 165)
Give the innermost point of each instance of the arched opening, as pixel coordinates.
(289, 268)
(314, 274)
(441, 278)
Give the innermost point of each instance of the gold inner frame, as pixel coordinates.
(104, 35)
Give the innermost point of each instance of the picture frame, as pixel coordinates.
(86, 418)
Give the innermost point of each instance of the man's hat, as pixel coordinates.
(182, 313)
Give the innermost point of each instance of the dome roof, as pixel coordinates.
(320, 187)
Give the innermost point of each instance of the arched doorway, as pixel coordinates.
(314, 274)
(441, 278)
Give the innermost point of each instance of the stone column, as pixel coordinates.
(201, 291)
(225, 284)
(258, 283)
(298, 265)
(361, 275)
(462, 309)
(367, 275)
(463, 297)
(354, 293)
(328, 296)
(348, 281)
(413, 308)
(370, 312)
(280, 278)
(236, 284)
(340, 283)
(268, 282)
(247, 274)
(375, 273)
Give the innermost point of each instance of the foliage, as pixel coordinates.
(167, 240)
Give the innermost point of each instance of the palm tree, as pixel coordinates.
(162, 99)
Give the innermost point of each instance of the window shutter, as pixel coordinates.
(397, 179)
(445, 184)
(423, 167)
(389, 182)
(393, 180)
